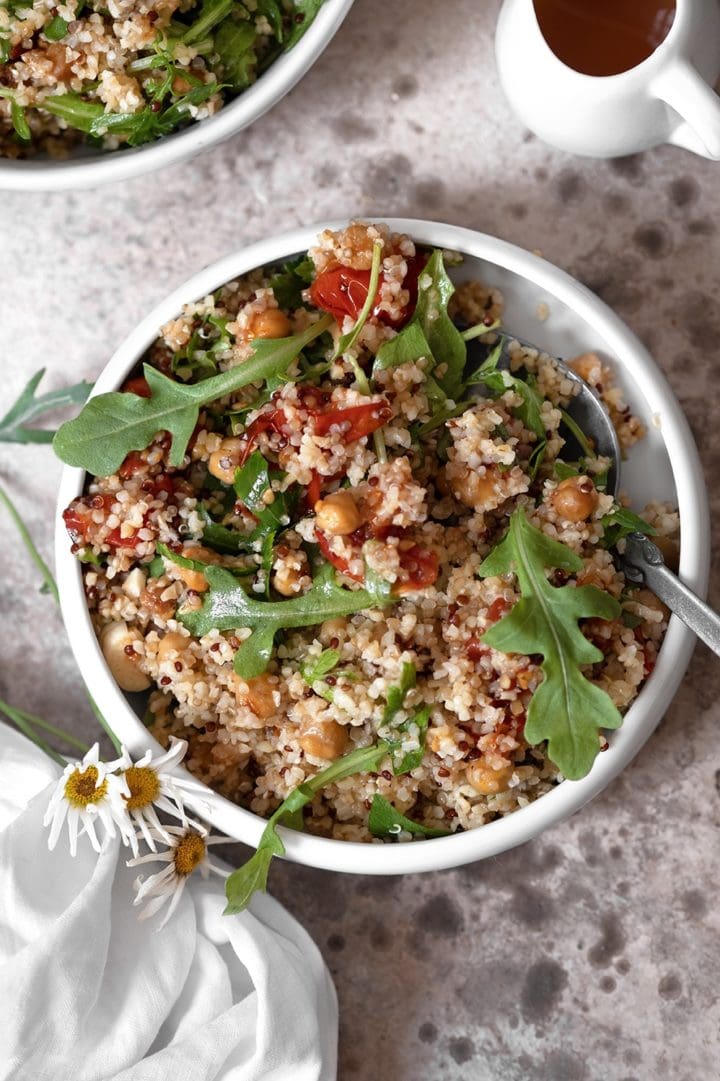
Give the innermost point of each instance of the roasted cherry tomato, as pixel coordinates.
(421, 567)
(362, 420)
(343, 291)
(339, 562)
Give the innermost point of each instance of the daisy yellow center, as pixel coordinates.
(144, 786)
(189, 853)
(82, 789)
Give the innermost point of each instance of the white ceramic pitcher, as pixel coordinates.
(668, 98)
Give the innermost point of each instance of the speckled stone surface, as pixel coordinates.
(592, 954)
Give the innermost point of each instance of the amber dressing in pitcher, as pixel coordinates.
(604, 37)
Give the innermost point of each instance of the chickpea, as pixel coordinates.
(575, 498)
(324, 739)
(225, 460)
(486, 780)
(258, 695)
(588, 366)
(123, 664)
(173, 643)
(475, 490)
(272, 323)
(193, 579)
(337, 514)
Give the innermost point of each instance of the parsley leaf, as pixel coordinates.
(567, 709)
(290, 280)
(226, 606)
(56, 29)
(13, 426)
(252, 876)
(316, 668)
(111, 425)
(386, 821)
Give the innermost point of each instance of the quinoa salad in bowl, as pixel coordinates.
(332, 529)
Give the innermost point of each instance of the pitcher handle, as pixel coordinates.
(686, 92)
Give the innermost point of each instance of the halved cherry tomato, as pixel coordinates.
(313, 492)
(137, 385)
(133, 464)
(272, 421)
(421, 566)
(343, 291)
(339, 562)
(362, 420)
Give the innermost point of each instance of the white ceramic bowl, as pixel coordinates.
(665, 465)
(88, 168)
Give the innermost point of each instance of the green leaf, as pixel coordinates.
(289, 282)
(220, 537)
(406, 347)
(56, 29)
(111, 425)
(156, 567)
(567, 710)
(235, 48)
(446, 344)
(74, 110)
(246, 880)
(305, 12)
(227, 607)
(386, 821)
(412, 759)
(396, 694)
(620, 522)
(316, 668)
(19, 122)
(212, 12)
(28, 407)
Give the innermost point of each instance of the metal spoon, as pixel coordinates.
(642, 561)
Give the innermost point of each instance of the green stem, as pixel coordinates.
(18, 718)
(39, 722)
(30, 546)
(478, 330)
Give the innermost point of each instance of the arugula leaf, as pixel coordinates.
(235, 48)
(252, 876)
(56, 29)
(13, 426)
(620, 522)
(197, 564)
(385, 820)
(290, 280)
(252, 481)
(396, 694)
(111, 425)
(212, 12)
(412, 759)
(434, 292)
(305, 12)
(19, 122)
(147, 125)
(220, 537)
(567, 710)
(405, 348)
(74, 110)
(227, 607)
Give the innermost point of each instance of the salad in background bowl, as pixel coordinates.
(92, 93)
(380, 605)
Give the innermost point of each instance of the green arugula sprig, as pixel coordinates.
(314, 670)
(226, 606)
(290, 280)
(29, 406)
(112, 425)
(391, 729)
(387, 822)
(620, 522)
(567, 709)
(252, 876)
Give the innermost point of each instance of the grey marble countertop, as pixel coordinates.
(591, 954)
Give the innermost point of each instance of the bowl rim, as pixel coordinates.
(675, 653)
(249, 106)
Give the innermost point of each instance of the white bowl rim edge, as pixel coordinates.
(567, 797)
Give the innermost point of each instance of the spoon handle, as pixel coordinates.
(643, 563)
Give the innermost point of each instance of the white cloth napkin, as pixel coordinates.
(90, 993)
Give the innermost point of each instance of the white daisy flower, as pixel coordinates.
(153, 783)
(88, 793)
(187, 853)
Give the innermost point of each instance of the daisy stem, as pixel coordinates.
(27, 540)
(33, 719)
(111, 735)
(26, 728)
